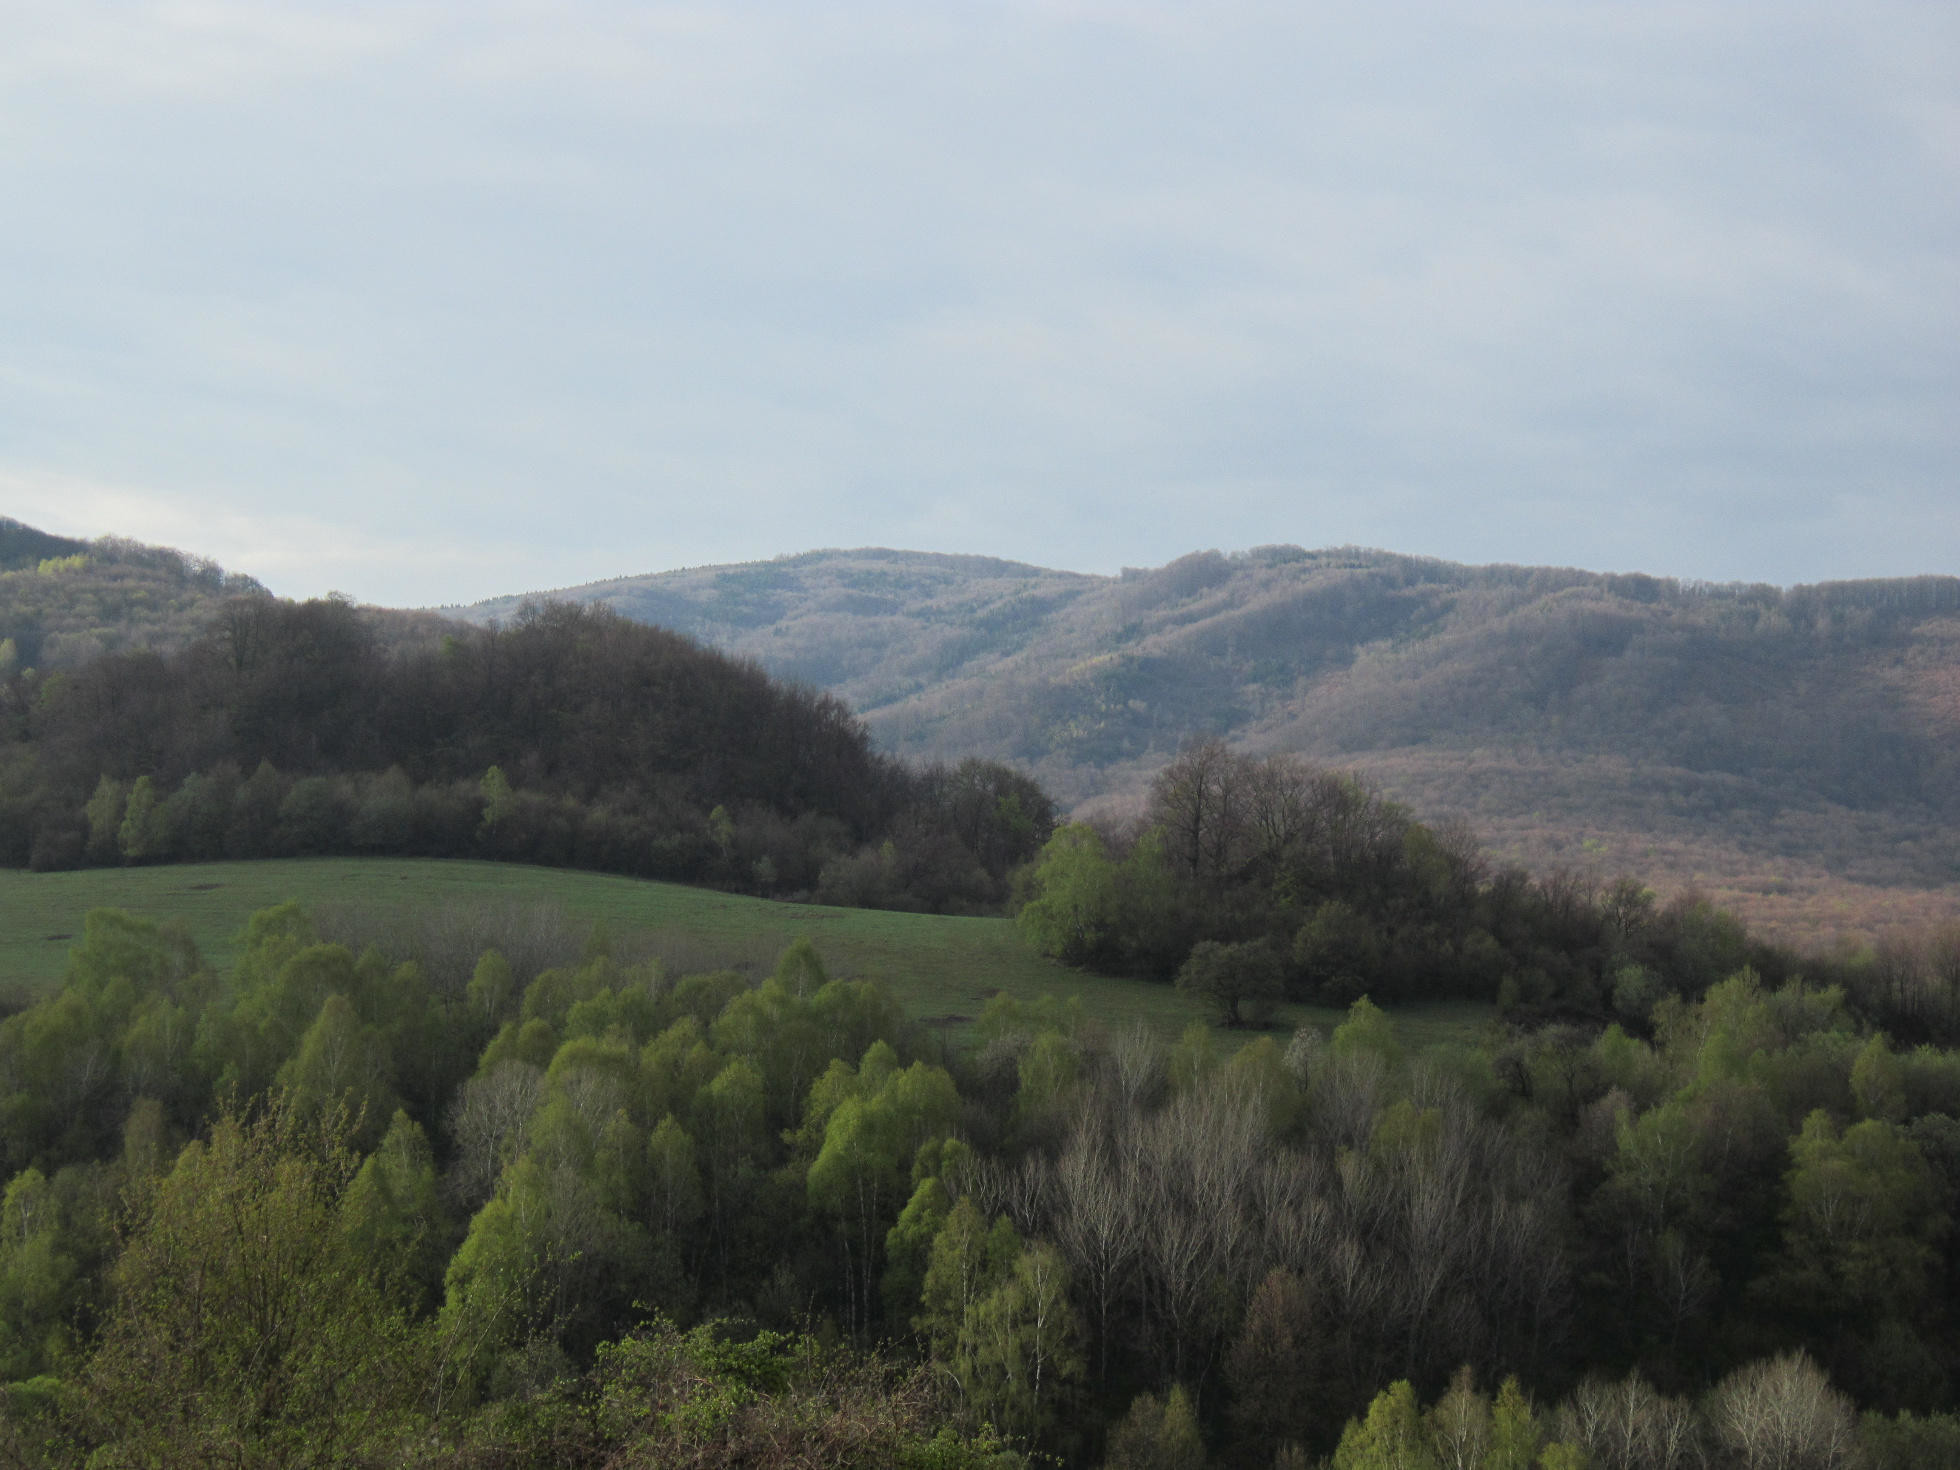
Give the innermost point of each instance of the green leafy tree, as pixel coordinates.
(1515, 1438)
(969, 1259)
(1076, 899)
(1240, 984)
(1390, 1437)
(246, 1326)
(499, 801)
(394, 1216)
(1157, 1434)
(135, 836)
(39, 1280)
(1861, 1220)
(342, 1065)
(104, 814)
(1024, 1344)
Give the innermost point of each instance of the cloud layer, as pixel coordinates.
(426, 301)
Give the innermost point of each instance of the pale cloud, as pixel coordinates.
(455, 300)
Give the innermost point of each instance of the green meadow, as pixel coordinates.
(943, 970)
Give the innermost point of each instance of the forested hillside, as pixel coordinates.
(1793, 750)
(573, 737)
(64, 602)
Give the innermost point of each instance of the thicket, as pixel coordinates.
(572, 738)
(347, 1208)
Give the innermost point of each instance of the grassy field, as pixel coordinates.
(943, 970)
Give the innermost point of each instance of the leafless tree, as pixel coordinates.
(1783, 1414)
(1629, 1426)
(487, 1123)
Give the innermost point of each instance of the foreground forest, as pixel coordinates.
(340, 1207)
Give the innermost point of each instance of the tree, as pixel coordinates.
(1515, 1438)
(38, 1280)
(1860, 1221)
(1783, 1414)
(1239, 983)
(1157, 1434)
(968, 1260)
(246, 1327)
(1391, 1437)
(1075, 901)
(341, 1064)
(134, 837)
(1022, 1343)
(1460, 1425)
(1274, 1367)
(105, 814)
(393, 1216)
(1201, 800)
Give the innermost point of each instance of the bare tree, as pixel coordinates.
(487, 1123)
(1783, 1414)
(1629, 1426)
(1096, 1222)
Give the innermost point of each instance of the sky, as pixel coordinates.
(426, 302)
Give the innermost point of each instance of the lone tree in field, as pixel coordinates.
(1241, 983)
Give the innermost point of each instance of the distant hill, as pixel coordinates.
(63, 602)
(1796, 751)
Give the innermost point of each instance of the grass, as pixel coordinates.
(942, 970)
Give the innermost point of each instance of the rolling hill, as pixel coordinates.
(1792, 751)
(64, 602)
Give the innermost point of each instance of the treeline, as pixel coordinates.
(573, 737)
(329, 1208)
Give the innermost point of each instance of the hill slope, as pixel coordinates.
(1791, 749)
(64, 602)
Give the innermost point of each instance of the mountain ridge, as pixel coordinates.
(1788, 748)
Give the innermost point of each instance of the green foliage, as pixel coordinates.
(1367, 1031)
(1075, 907)
(245, 1325)
(1860, 1221)
(1240, 983)
(38, 1280)
(1390, 1437)
(1907, 1441)
(1515, 1438)
(1157, 1434)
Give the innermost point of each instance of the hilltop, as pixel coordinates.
(64, 602)
(1792, 750)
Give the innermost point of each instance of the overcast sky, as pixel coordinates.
(431, 301)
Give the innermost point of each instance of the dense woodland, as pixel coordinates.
(367, 1208)
(573, 737)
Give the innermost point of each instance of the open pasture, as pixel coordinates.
(942, 969)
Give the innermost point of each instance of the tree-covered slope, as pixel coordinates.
(64, 602)
(1791, 748)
